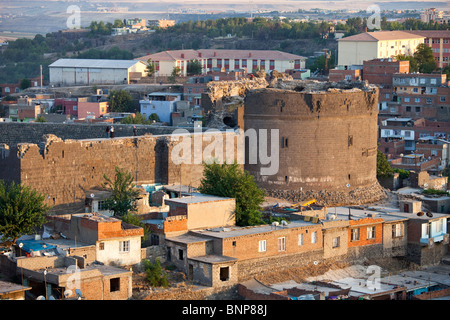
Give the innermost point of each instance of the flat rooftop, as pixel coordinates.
(197, 198)
(231, 232)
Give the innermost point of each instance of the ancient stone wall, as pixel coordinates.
(12, 133)
(65, 170)
(326, 144)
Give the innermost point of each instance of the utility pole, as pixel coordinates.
(41, 77)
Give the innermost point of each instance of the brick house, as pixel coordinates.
(427, 235)
(115, 241)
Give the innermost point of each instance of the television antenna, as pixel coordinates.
(40, 298)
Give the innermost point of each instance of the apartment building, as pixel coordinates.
(354, 50)
(225, 60)
(439, 41)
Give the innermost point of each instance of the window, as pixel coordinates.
(415, 89)
(417, 109)
(262, 246)
(180, 254)
(425, 230)
(429, 100)
(300, 239)
(102, 206)
(439, 226)
(101, 246)
(234, 243)
(124, 246)
(396, 230)
(370, 233)
(442, 99)
(282, 244)
(336, 242)
(224, 273)
(114, 284)
(314, 237)
(406, 99)
(354, 236)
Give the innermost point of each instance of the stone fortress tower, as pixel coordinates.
(327, 140)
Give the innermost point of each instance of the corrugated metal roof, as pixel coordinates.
(190, 54)
(381, 35)
(94, 63)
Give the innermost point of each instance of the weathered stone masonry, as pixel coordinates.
(328, 140)
(65, 170)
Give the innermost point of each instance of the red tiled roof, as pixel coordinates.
(431, 33)
(221, 54)
(381, 35)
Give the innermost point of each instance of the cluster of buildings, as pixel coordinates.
(91, 255)
(413, 106)
(138, 25)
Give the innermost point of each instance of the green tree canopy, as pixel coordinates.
(151, 68)
(120, 101)
(228, 180)
(138, 118)
(22, 210)
(384, 169)
(425, 58)
(175, 73)
(194, 67)
(123, 191)
(413, 65)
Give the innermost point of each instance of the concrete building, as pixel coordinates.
(115, 241)
(93, 71)
(162, 23)
(225, 60)
(354, 50)
(439, 41)
(12, 291)
(161, 103)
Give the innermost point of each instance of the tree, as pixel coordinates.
(413, 65)
(175, 73)
(155, 274)
(384, 169)
(425, 58)
(22, 210)
(120, 101)
(228, 180)
(25, 83)
(138, 118)
(194, 67)
(151, 68)
(124, 194)
(40, 118)
(154, 117)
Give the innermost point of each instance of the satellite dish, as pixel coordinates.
(40, 298)
(348, 185)
(92, 195)
(78, 293)
(429, 214)
(275, 223)
(67, 293)
(52, 298)
(20, 245)
(284, 223)
(420, 213)
(316, 263)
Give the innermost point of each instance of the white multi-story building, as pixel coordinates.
(354, 50)
(224, 60)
